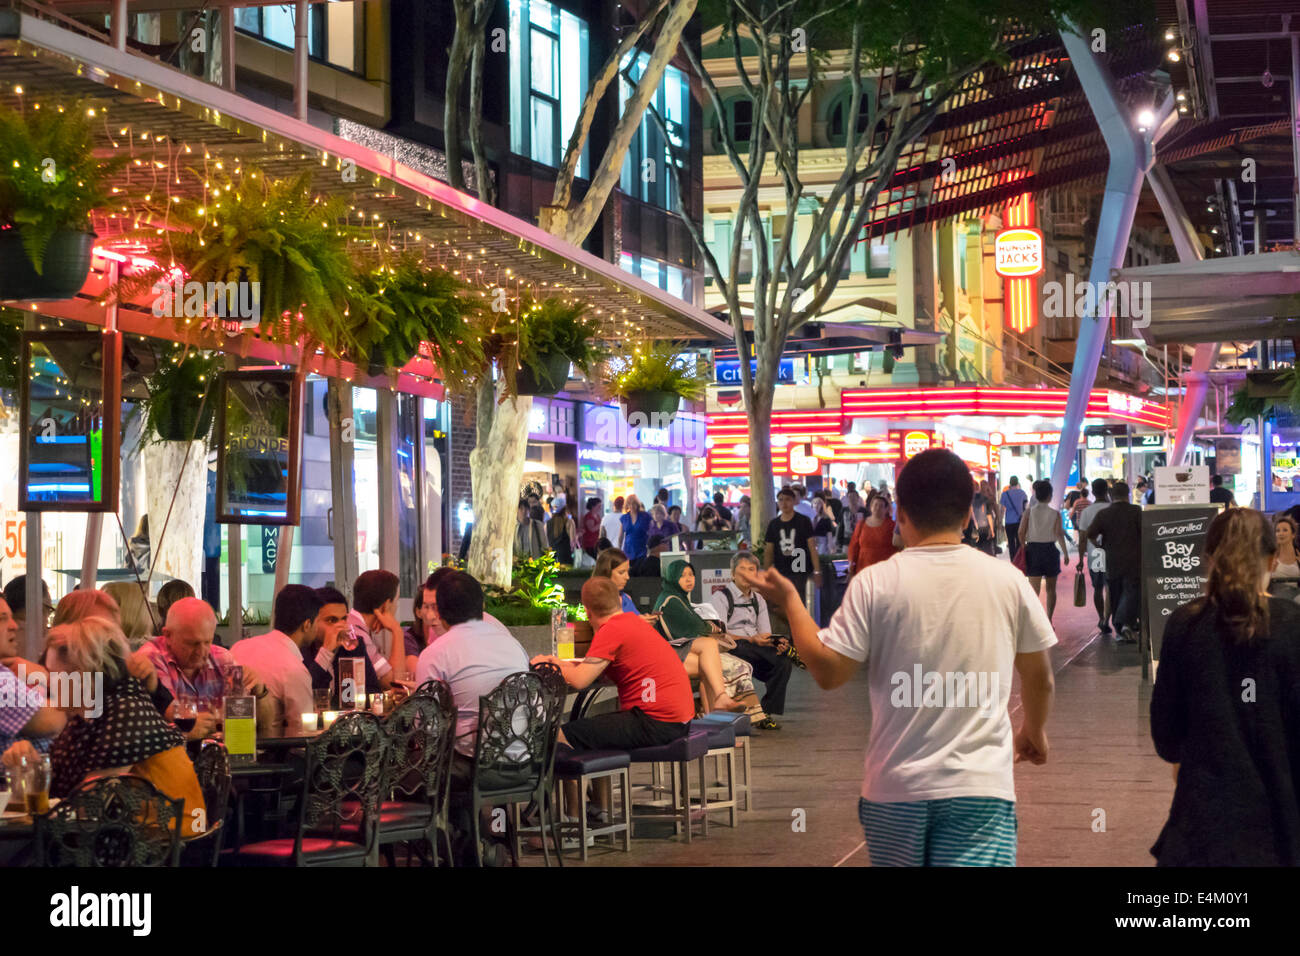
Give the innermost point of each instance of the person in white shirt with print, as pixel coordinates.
(940, 627)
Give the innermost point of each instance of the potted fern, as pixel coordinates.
(652, 381)
(550, 336)
(182, 399)
(411, 304)
(292, 246)
(50, 182)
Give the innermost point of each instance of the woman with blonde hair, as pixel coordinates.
(114, 728)
(137, 619)
(1238, 752)
(636, 529)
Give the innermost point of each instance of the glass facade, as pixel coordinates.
(334, 32)
(548, 80)
(645, 170)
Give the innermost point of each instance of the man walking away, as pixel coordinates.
(1014, 501)
(1096, 557)
(1220, 495)
(938, 788)
(1120, 530)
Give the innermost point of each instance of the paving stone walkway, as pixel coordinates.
(1099, 801)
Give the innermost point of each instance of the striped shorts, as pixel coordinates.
(956, 831)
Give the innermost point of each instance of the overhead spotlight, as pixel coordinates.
(1146, 119)
(1214, 231)
(1218, 248)
(1209, 209)
(1183, 109)
(1174, 56)
(1170, 35)
(1182, 96)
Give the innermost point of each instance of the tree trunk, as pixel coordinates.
(496, 467)
(482, 175)
(762, 506)
(175, 552)
(458, 63)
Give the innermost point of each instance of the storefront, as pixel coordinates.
(997, 431)
(615, 459)
(551, 461)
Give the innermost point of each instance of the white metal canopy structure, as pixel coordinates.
(1218, 300)
(166, 110)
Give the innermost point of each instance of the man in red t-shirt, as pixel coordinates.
(654, 693)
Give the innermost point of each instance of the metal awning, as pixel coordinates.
(1218, 300)
(177, 123)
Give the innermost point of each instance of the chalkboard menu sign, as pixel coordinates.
(259, 447)
(1174, 565)
(71, 413)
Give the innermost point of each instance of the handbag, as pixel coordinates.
(1019, 560)
(1080, 591)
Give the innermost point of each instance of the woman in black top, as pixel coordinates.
(1226, 709)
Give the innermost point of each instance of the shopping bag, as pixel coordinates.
(1019, 560)
(1080, 592)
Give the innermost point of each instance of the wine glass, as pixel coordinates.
(187, 713)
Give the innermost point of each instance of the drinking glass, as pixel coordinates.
(36, 785)
(320, 697)
(187, 713)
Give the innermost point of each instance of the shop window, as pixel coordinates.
(880, 259)
(548, 80)
(662, 275)
(742, 121)
(645, 169)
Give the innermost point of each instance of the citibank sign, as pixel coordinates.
(1018, 253)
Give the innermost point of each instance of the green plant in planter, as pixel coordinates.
(182, 400)
(547, 334)
(1247, 407)
(657, 367)
(410, 304)
(295, 245)
(50, 177)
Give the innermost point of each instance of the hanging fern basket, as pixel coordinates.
(180, 419)
(656, 409)
(64, 269)
(555, 372)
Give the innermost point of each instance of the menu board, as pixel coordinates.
(259, 447)
(1174, 566)
(71, 408)
(1182, 484)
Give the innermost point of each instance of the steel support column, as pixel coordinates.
(343, 504)
(300, 60)
(1129, 159)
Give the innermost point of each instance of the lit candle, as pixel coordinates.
(309, 721)
(330, 716)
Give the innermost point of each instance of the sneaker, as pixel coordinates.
(1126, 636)
(767, 723)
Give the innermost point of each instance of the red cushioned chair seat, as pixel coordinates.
(318, 849)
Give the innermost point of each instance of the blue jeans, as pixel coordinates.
(1125, 600)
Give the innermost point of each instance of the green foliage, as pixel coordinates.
(182, 393)
(935, 37)
(532, 584)
(550, 327)
(11, 332)
(1245, 408)
(412, 303)
(296, 245)
(657, 366)
(50, 178)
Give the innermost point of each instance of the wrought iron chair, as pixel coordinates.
(111, 822)
(338, 811)
(421, 732)
(212, 767)
(514, 753)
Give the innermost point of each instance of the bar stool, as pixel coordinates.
(586, 767)
(742, 725)
(679, 755)
(722, 746)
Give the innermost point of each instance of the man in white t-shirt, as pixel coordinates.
(940, 626)
(1096, 554)
(611, 526)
